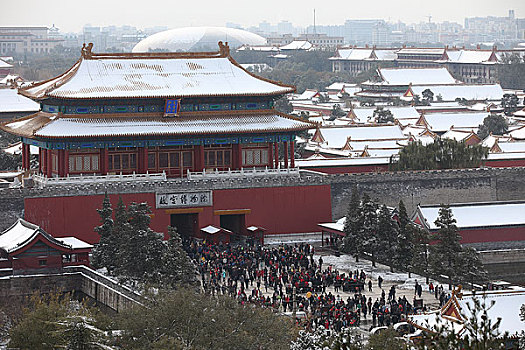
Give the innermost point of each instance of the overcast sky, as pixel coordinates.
(72, 15)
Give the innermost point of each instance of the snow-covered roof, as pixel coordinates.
(472, 215)
(491, 92)
(457, 135)
(155, 75)
(364, 115)
(22, 233)
(469, 56)
(184, 125)
(512, 147)
(11, 101)
(341, 162)
(337, 137)
(507, 304)
(211, 229)
(356, 54)
(416, 76)
(490, 140)
(75, 243)
(441, 122)
(197, 39)
(308, 94)
(518, 134)
(510, 155)
(386, 54)
(297, 45)
(5, 65)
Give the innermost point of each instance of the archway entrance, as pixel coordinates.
(186, 224)
(235, 223)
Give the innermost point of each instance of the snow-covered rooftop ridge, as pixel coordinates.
(74, 242)
(483, 214)
(20, 233)
(338, 136)
(155, 76)
(416, 76)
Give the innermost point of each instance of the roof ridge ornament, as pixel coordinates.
(224, 49)
(86, 50)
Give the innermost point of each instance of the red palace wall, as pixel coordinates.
(505, 163)
(493, 234)
(291, 209)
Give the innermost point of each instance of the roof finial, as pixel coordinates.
(86, 50)
(224, 49)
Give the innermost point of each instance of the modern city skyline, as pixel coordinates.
(71, 16)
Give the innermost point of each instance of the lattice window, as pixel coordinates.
(94, 163)
(87, 163)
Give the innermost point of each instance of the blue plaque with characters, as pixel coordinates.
(172, 108)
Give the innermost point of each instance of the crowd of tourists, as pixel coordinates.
(288, 279)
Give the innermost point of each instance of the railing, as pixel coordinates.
(243, 172)
(45, 181)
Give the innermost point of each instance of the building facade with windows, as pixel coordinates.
(17, 40)
(194, 135)
(154, 113)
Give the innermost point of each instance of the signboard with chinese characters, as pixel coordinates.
(183, 199)
(172, 108)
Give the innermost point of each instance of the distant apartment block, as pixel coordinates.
(17, 40)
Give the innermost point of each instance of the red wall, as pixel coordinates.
(505, 163)
(492, 234)
(278, 209)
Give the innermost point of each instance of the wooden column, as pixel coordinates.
(40, 158)
(43, 160)
(66, 162)
(270, 154)
(236, 156)
(49, 163)
(145, 155)
(286, 154)
(61, 161)
(276, 154)
(141, 164)
(199, 158)
(104, 161)
(25, 157)
(292, 154)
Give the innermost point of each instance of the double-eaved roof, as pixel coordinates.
(45, 125)
(155, 75)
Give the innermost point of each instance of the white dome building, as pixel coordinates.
(197, 39)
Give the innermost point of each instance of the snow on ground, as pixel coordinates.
(347, 263)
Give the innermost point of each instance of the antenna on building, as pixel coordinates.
(315, 32)
(429, 18)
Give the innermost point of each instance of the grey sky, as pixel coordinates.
(71, 15)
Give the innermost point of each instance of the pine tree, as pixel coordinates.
(142, 248)
(352, 241)
(445, 253)
(405, 240)
(105, 252)
(177, 267)
(121, 230)
(471, 268)
(420, 260)
(388, 232)
(368, 232)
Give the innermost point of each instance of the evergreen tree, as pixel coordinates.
(352, 240)
(405, 240)
(121, 230)
(382, 115)
(177, 265)
(493, 123)
(446, 251)
(369, 229)
(142, 248)
(420, 260)
(388, 233)
(105, 252)
(471, 268)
